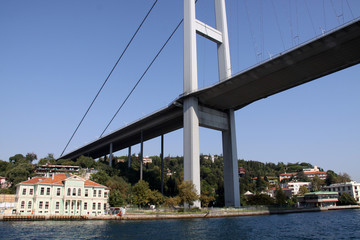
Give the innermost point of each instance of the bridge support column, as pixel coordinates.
(162, 164)
(231, 177)
(191, 144)
(141, 155)
(111, 155)
(129, 157)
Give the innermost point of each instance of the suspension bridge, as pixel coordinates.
(213, 107)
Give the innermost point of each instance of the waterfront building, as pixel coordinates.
(7, 203)
(352, 188)
(61, 194)
(295, 186)
(48, 170)
(318, 199)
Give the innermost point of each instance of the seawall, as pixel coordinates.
(157, 215)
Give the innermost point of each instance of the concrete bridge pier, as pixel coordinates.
(129, 157)
(196, 115)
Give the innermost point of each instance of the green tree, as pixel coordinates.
(116, 198)
(346, 199)
(343, 177)
(331, 177)
(17, 158)
(18, 173)
(302, 190)
(206, 199)
(30, 157)
(119, 191)
(4, 166)
(316, 183)
(172, 202)
(260, 199)
(280, 197)
(141, 193)
(260, 184)
(156, 198)
(187, 193)
(300, 176)
(49, 159)
(100, 177)
(86, 162)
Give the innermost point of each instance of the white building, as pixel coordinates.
(352, 188)
(315, 169)
(61, 194)
(295, 186)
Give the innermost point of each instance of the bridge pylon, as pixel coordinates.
(196, 114)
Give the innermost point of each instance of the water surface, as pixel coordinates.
(344, 224)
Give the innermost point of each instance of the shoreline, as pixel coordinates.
(157, 215)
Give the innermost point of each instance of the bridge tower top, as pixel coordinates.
(192, 26)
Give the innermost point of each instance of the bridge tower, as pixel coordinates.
(196, 114)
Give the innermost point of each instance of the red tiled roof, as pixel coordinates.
(58, 179)
(288, 174)
(306, 173)
(33, 180)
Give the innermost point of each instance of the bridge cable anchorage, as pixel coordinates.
(142, 76)
(107, 78)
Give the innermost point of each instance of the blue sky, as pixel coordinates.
(55, 55)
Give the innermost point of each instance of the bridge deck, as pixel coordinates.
(335, 51)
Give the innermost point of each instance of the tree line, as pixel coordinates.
(125, 187)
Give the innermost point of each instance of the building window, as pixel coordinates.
(40, 204)
(78, 205)
(99, 193)
(72, 205)
(69, 192)
(22, 204)
(349, 188)
(99, 206)
(86, 192)
(85, 205)
(58, 191)
(48, 191)
(74, 191)
(24, 191)
(94, 193)
(31, 191)
(79, 192)
(57, 206)
(104, 206)
(94, 206)
(105, 194)
(29, 204)
(42, 191)
(46, 205)
(66, 205)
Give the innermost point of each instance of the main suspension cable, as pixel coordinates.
(107, 78)
(142, 76)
